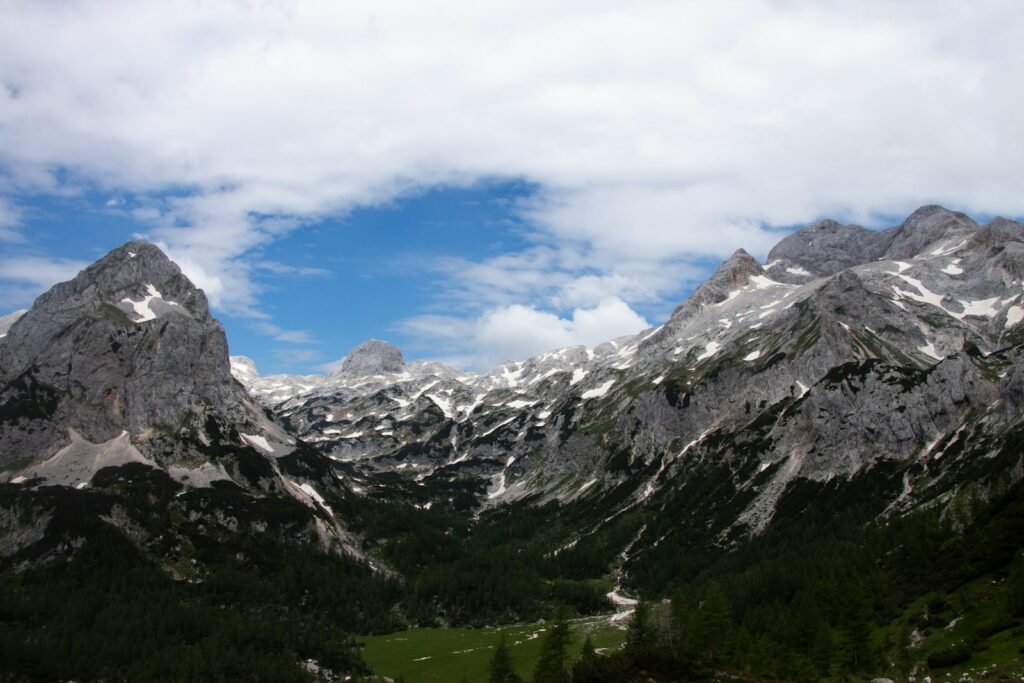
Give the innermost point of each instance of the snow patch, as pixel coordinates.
(945, 250)
(519, 403)
(709, 350)
(500, 489)
(924, 295)
(983, 308)
(443, 403)
(1014, 314)
(753, 355)
(598, 392)
(953, 269)
(762, 282)
(143, 309)
(258, 441)
(929, 349)
(577, 376)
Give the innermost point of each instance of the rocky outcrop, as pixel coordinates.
(373, 357)
(127, 346)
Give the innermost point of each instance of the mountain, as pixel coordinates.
(851, 349)
(123, 365)
(828, 443)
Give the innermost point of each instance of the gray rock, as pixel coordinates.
(373, 357)
(824, 248)
(127, 345)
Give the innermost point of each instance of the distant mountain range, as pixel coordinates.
(849, 349)
(881, 372)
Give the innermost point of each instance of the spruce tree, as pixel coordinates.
(502, 670)
(551, 667)
(587, 667)
(1015, 587)
(714, 622)
(642, 634)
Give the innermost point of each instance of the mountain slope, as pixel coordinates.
(851, 349)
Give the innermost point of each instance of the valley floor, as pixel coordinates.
(449, 655)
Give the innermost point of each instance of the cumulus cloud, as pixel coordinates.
(658, 134)
(39, 271)
(517, 331)
(23, 278)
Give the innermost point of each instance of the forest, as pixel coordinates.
(819, 597)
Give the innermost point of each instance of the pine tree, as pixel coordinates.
(682, 631)
(551, 667)
(502, 670)
(1015, 588)
(714, 621)
(587, 667)
(642, 635)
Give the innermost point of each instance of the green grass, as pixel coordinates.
(980, 603)
(446, 655)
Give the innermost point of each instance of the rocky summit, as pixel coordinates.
(123, 366)
(373, 357)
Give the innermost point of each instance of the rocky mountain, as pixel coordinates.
(851, 352)
(123, 366)
(756, 437)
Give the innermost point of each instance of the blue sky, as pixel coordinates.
(480, 182)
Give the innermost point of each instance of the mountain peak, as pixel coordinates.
(824, 248)
(373, 357)
(735, 272)
(927, 225)
(125, 345)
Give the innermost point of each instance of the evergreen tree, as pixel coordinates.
(502, 670)
(1015, 587)
(588, 666)
(551, 667)
(682, 630)
(821, 650)
(714, 621)
(642, 635)
(858, 628)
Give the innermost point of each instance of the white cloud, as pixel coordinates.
(282, 335)
(23, 278)
(10, 222)
(296, 356)
(279, 268)
(516, 332)
(39, 271)
(659, 133)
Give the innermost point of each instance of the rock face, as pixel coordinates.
(373, 357)
(128, 345)
(116, 386)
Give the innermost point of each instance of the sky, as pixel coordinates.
(480, 182)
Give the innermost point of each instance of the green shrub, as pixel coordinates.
(951, 656)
